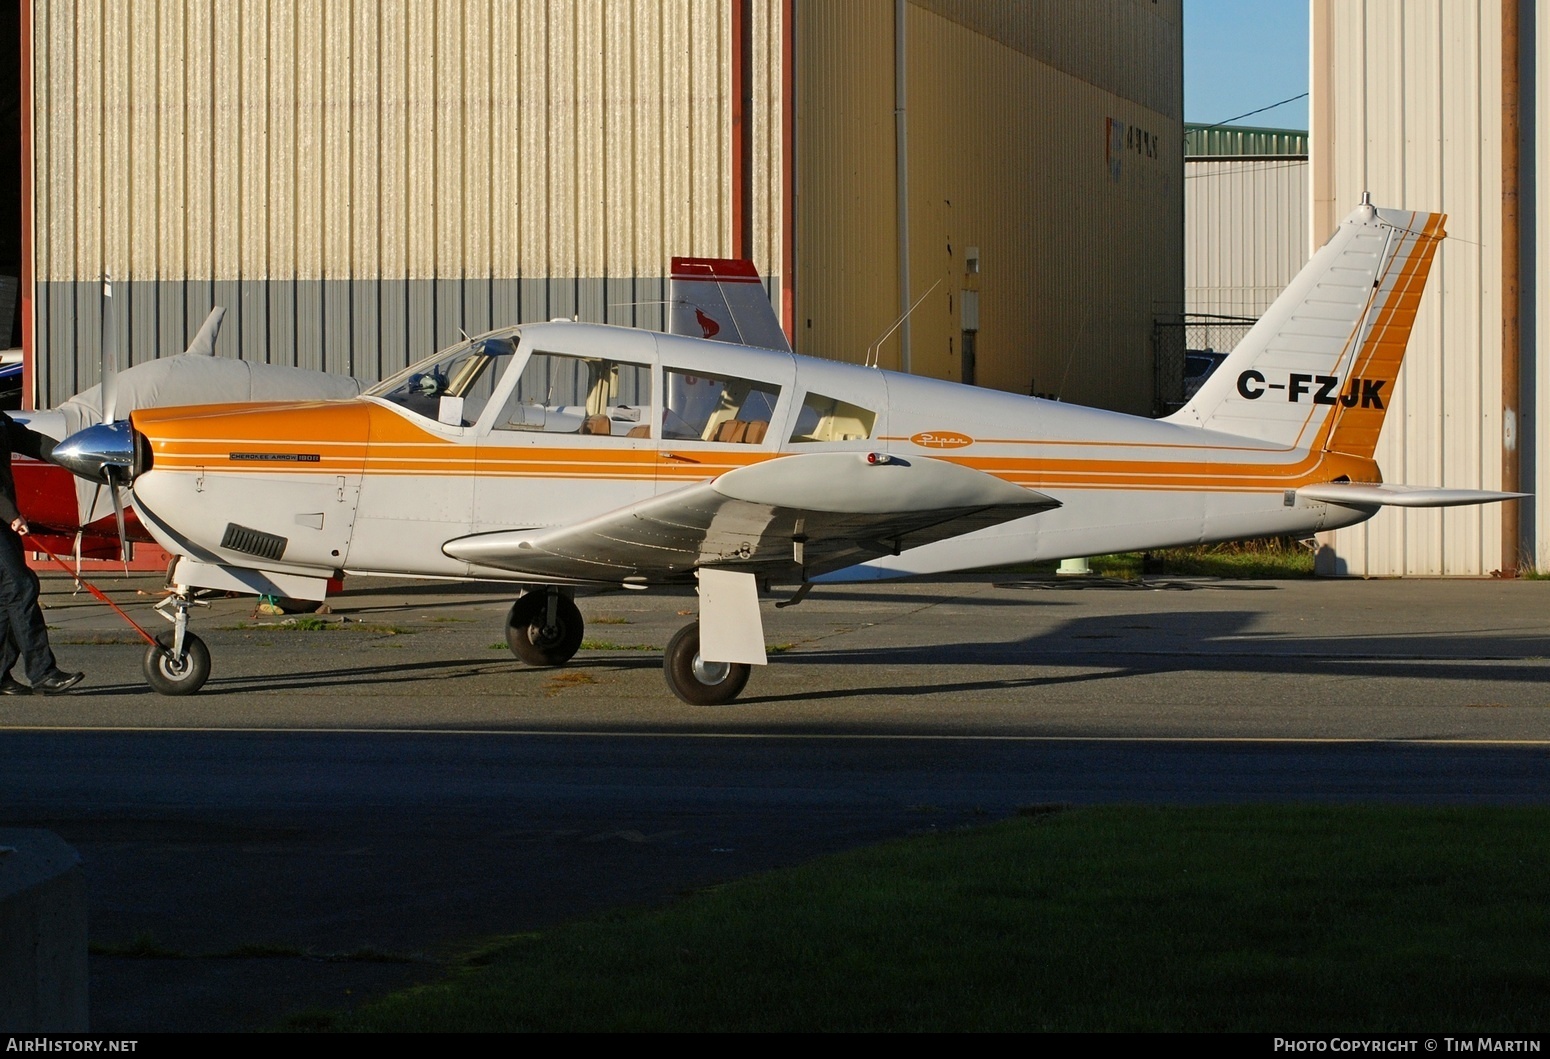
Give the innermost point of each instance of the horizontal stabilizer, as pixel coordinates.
(1362, 494)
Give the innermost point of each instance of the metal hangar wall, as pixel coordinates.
(1412, 101)
(1245, 216)
(1040, 159)
(358, 182)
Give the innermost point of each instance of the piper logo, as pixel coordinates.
(1319, 389)
(941, 439)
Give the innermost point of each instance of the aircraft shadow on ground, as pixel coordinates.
(336, 676)
(1108, 647)
(1083, 649)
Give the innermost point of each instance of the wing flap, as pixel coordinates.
(795, 516)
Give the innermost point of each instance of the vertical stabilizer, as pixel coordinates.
(1318, 369)
(204, 342)
(722, 299)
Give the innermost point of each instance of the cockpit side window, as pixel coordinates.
(454, 388)
(730, 410)
(830, 419)
(588, 396)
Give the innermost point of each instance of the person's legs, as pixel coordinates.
(20, 612)
(9, 652)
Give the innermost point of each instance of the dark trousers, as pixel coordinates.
(24, 631)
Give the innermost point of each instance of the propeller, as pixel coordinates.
(118, 513)
(109, 352)
(109, 412)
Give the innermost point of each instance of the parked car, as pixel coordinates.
(1198, 366)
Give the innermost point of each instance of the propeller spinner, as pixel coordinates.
(103, 453)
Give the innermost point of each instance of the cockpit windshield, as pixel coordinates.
(453, 386)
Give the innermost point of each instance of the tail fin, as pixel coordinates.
(204, 342)
(1318, 369)
(723, 298)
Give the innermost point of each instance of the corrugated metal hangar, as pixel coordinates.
(1439, 105)
(359, 181)
(1245, 217)
(1245, 235)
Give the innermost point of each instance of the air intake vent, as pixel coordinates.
(253, 542)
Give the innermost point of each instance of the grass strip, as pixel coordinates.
(1253, 918)
(1266, 558)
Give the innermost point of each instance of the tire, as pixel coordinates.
(538, 644)
(695, 681)
(166, 677)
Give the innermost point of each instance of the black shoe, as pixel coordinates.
(9, 685)
(58, 682)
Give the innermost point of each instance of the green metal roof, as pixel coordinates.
(1242, 140)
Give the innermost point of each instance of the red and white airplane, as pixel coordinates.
(565, 457)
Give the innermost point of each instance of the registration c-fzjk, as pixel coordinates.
(1319, 389)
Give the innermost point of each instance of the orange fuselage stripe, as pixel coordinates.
(335, 444)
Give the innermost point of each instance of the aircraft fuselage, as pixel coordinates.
(381, 483)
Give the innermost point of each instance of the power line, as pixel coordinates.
(1261, 110)
(1219, 167)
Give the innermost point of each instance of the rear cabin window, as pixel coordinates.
(830, 419)
(727, 410)
(587, 396)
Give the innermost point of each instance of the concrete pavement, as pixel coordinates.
(341, 808)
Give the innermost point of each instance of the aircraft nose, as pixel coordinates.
(98, 450)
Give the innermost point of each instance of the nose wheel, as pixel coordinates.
(544, 628)
(695, 680)
(170, 675)
(178, 662)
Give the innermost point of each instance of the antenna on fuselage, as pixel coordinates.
(870, 350)
(1076, 344)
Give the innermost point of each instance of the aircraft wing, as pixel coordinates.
(1364, 494)
(792, 518)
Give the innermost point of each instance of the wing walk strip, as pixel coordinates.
(838, 737)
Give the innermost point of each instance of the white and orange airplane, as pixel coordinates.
(707, 297)
(85, 518)
(565, 457)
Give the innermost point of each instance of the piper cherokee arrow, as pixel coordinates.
(565, 457)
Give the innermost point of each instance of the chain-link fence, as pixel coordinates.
(1186, 349)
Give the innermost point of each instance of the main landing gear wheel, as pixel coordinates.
(170, 676)
(696, 681)
(537, 642)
